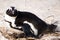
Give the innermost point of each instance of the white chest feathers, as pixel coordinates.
(10, 19)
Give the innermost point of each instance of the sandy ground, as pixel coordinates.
(47, 10)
